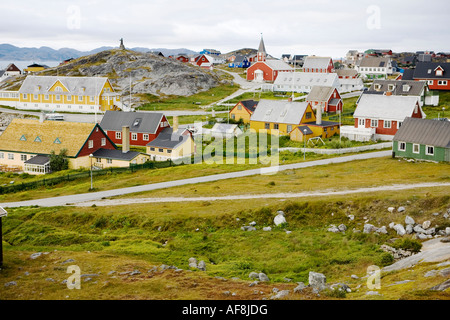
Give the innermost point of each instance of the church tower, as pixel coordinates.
(262, 50)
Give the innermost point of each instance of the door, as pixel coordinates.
(361, 123)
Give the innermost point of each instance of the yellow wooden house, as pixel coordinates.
(69, 94)
(171, 144)
(243, 110)
(280, 117)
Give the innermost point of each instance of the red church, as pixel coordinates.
(265, 69)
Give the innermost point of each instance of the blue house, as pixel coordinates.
(210, 52)
(240, 62)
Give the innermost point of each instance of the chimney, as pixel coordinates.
(175, 124)
(319, 114)
(125, 139)
(389, 93)
(41, 117)
(290, 99)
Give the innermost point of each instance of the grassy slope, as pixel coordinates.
(124, 238)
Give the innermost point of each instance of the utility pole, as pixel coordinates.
(3, 213)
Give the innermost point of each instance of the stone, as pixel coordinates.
(192, 263)
(263, 277)
(279, 219)
(447, 231)
(254, 283)
(68, 261)
(253, 275)
(35, 255)
(409, 229)
(288, 232)
(446, 215)
(391, 209)
(354, 276)
(333, 229)
(300, 287)
(341, 287)
(368, 228)
(426, 224)
(400, 229)
(135, 273)
(445, 272)
(381, 230)
(372, 293)
(441, 287)
(253, 223)
(409, 220)
(430, 273)
(317, 280)
(430, 231)
(351, 217)
(435, 214)
(419, 229)
(280, 295)
(421, 236)
(391, 225)
(267, 229)
(401, 209)
(11, 283)
(202, 266)
(342, 227)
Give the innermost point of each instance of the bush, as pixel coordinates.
(386, 259)
(408, 244)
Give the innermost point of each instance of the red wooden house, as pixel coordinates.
(266, 69)
(327, 97)
(436, 74)
(144, 126)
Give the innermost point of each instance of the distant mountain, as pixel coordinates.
(9, 52)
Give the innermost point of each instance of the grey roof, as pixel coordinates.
(115, 154)
(38, 160)
(375, 62)
(408, 74)
(425, 131)
(401, 87)
(262, 47)
(279, 111)
(239, 59)
(144, 122)
(87, 86)
(347, 72)
(250, 104)
(303, 128)
(316, 62)
(168, 140)
(276, 64)
(334, 102)
(307, 79)
(320, 93)
(426, 70)
(323, 124)
(377, 106)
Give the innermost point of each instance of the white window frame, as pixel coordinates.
(109, 161)
(385, 124)
(118, 135)
(429, 153)
(23, 157)
(146, 137)
(2, 155)
(430, 82)
(103, 142)
(414, 148)
(372, 121)
(400, 144)
(91, 144)
(10, 156)
(442, 82)
(134, 136)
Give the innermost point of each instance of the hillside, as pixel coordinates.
(13, 53)
(243, 51)
(148, 74)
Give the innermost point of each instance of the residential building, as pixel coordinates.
(265, 69)
(326, 97)
(10, 71)
(144, 126)
(436, 74)
(69, 94)
(302, 82)
(24, 139)
(239, 61)
(375, 67)
(243, 110)
(171, 144)
(349, 80)
(32, 68)
(225, 130)
(318, 64)
(210, 52)
(378, 117)
(423, 139)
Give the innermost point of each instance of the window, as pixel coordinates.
(442, 82)
(429, 150)
(99, 160)
(275, 126)
(25, 96)
(391, 87)
(37, 139)
(91, 99)
(416, 148)
(103, 142)
(145, 136)
(109, 161)
(152, 149)
(267, 126)
(134, 136)
(161, 150)
(118, 135)
(387, 124)
(289, 128)
(58, 97)
(36, 97)
(430, 82)
(46, 97)
(233, 117)
(361, 122)
(308, 115)
(439, 72)
(169, 151)
(239, 107)
(69, 98)
(91, 144)
(2, 155)
(10, 156)
(80, 98)
(23, 157)
(57, 141)
(401, 146)
(399, 124)
(374, 123)
(22, 138)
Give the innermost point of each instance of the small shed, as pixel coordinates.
(225, 130)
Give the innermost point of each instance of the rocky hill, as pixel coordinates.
(148, 74)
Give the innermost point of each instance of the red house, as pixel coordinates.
(436, 74)
(266, 69)
(144, 126)
(327, 97)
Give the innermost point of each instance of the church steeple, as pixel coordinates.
(262, 50)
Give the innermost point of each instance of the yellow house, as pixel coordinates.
(34, 68)
(107, 158)
(280, 117)
(171, 144)
(301, 133)
(70, 94)
(243, 110)
(26, 144)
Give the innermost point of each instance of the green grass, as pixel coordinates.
(193, 102)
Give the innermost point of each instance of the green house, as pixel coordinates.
(423, 139)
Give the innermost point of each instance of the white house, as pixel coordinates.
(302, 82)
(375, 67)
(225, 130)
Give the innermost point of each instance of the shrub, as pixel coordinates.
(386, 259)
(408, 244)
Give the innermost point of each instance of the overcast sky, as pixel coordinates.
(320, 27)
